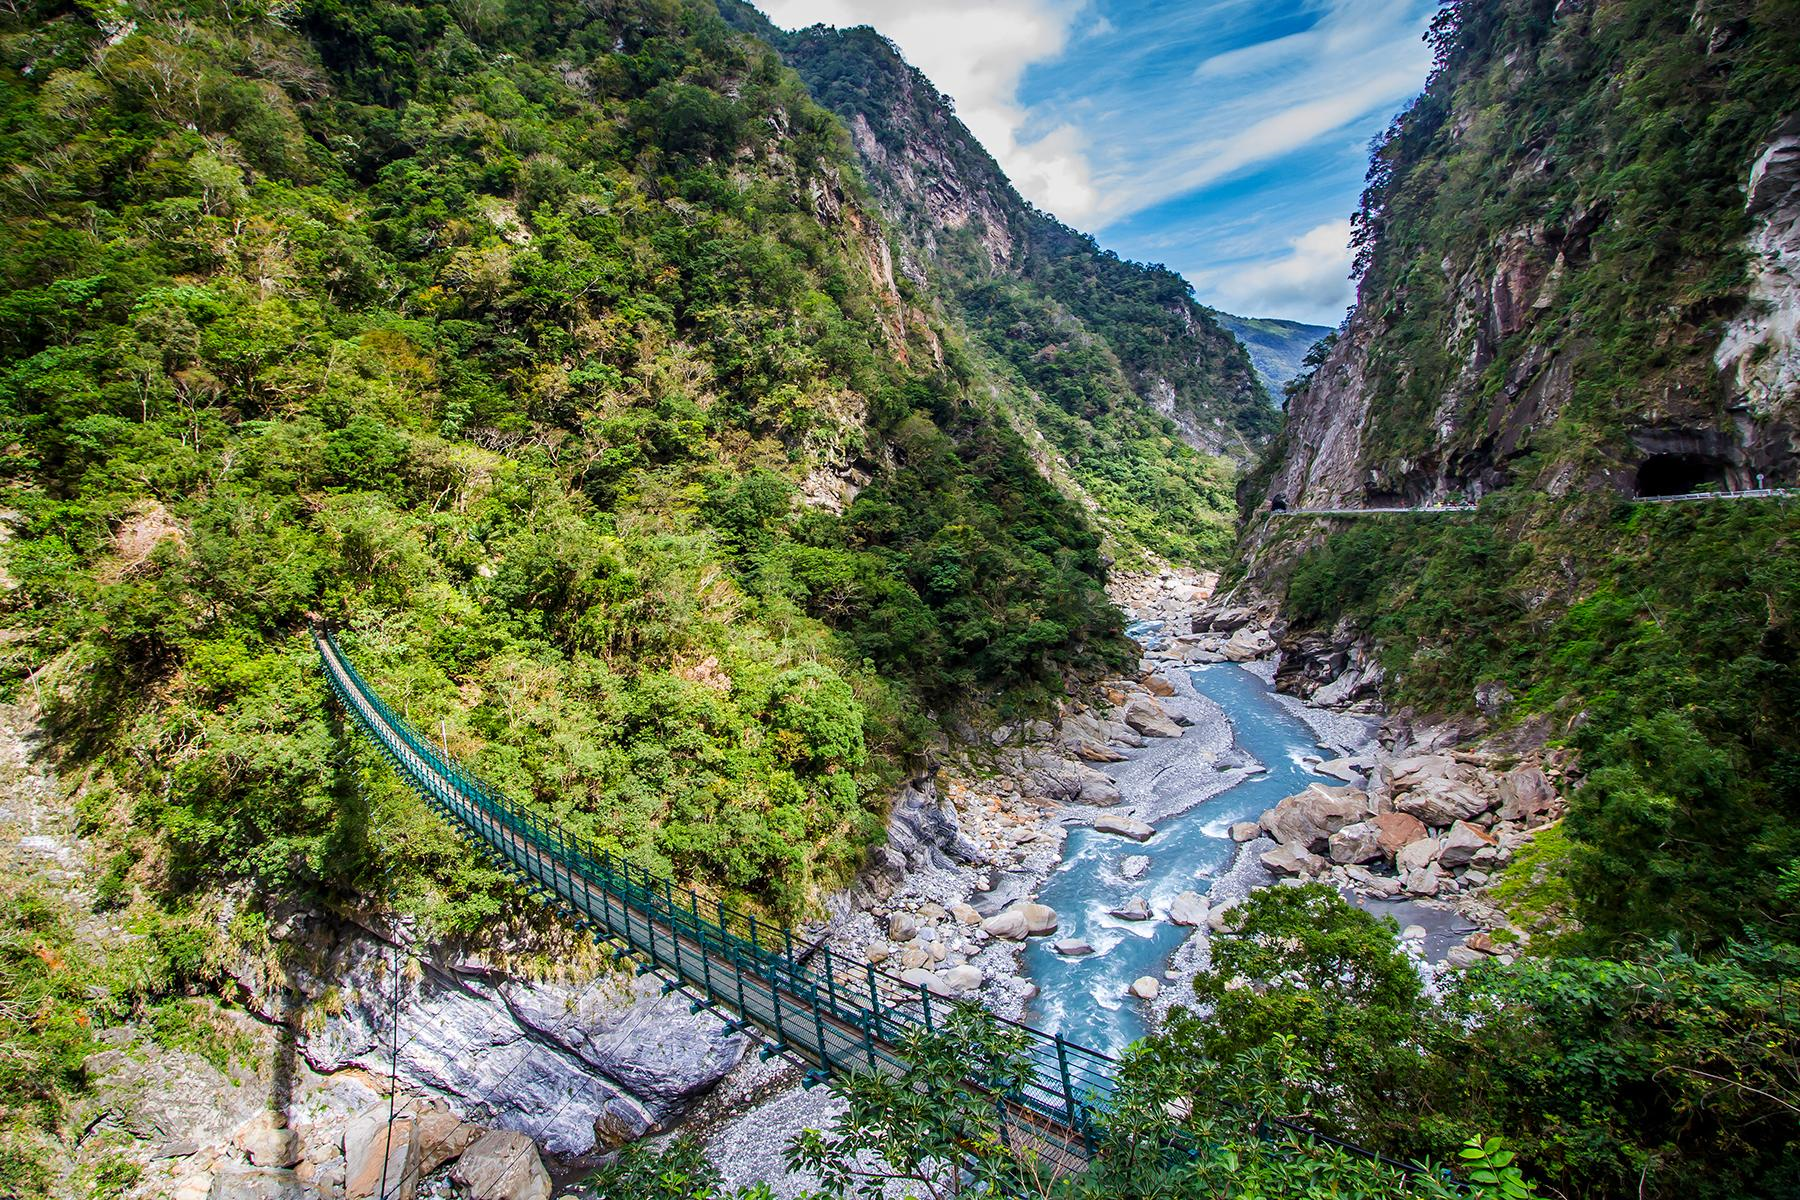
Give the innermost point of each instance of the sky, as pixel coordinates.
(1226, 139)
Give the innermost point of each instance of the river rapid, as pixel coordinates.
(1199, 792)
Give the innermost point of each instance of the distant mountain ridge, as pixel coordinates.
(1277, 347)
(1117, 364)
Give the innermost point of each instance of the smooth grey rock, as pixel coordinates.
(1135, 909)
(1149, 718)
(963, 979)
(1072, 947)
(1189, 908)
(1416, 856)
(1245, 831)
(1293, 859)
(1460, 845)
(1358, 843)
(1146, 987)
(1424, 882)
(1123, 826)
(902, 927)
(502, 1165)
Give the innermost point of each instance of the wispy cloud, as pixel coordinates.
(1223, 137)
(977, 55)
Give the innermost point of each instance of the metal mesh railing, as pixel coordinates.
(832, 1012)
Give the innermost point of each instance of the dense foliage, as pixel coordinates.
(1181, 1127)
(505, 337)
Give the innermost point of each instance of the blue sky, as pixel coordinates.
(1226, 138)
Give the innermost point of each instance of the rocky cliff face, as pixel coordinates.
(960, 216)
(1555, 292)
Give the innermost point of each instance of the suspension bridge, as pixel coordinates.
(808, 1002)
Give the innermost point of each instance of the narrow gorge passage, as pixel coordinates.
(1085, 998)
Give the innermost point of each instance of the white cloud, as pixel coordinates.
(976, 54)
(1312, 278)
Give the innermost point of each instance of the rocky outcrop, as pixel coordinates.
(1760, 352)
(552, 1059)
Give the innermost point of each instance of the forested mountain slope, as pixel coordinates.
(1112, 360)
(1277, 347)
(552, 353)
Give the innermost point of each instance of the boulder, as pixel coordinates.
(1397, 829)
(443, 1136)
(369, 1145)
(1189, 908)
(920, 977)
(502, 1165)
(1424, 882)
(965, 914)
(1438, 804)
(1525, 795)
(1148, 718)
(1461, 843)
(1246, 644)
(876, 952)
(1135, 866)
(1024, 919)
(1123, 826)
(1293, 859)
(1417, 855)
(914, 956)
(1461, 957)
(902, 927)
(1410, 772)
(1156, 685)
(267, 1140)
(1309, 818)
(959, 980)
(620, 1120)
(1095, 752)
(1135, 909)
(1072, 947)
(1347, 769)
(1146, 987)
(1245, 831)
(1385, 886)
(1358, 843)
(1223, 918)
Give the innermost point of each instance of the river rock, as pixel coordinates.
(1156, 685)
(1417, 855)
(902, 927)
(1148, 718)
(1461, 843)
(1245, 831)
(1123, 826)
(1135, 909)
(1293, 859)
(1135, 866)
(1096, 752)
(1246, 644)
(1525, 794)
(1461, 957)
(1396, 830)
(1072, 947)
(919, 977)
(959, 980)
(1189, 908)
(914, 956)
(1439, 803)
(1424, 882)
(1308, 819)
(1385, 886)
(1223, 918)
(965, 914)
(876, 952)
(502, 1165)
(368, 1145)
(1358, 843)
(1146, 987)
(1411, 772)
(1347, 769)
(1024, 919)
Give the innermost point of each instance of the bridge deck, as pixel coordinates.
(835, 1016)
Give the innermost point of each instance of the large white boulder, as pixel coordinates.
(1189, 908)
(1123, 826)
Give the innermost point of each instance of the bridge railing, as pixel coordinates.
(623, 900)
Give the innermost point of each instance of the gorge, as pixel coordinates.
(688, 428)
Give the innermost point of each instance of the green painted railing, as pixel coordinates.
(834, 1014)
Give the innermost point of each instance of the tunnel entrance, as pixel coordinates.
(1679, 474)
